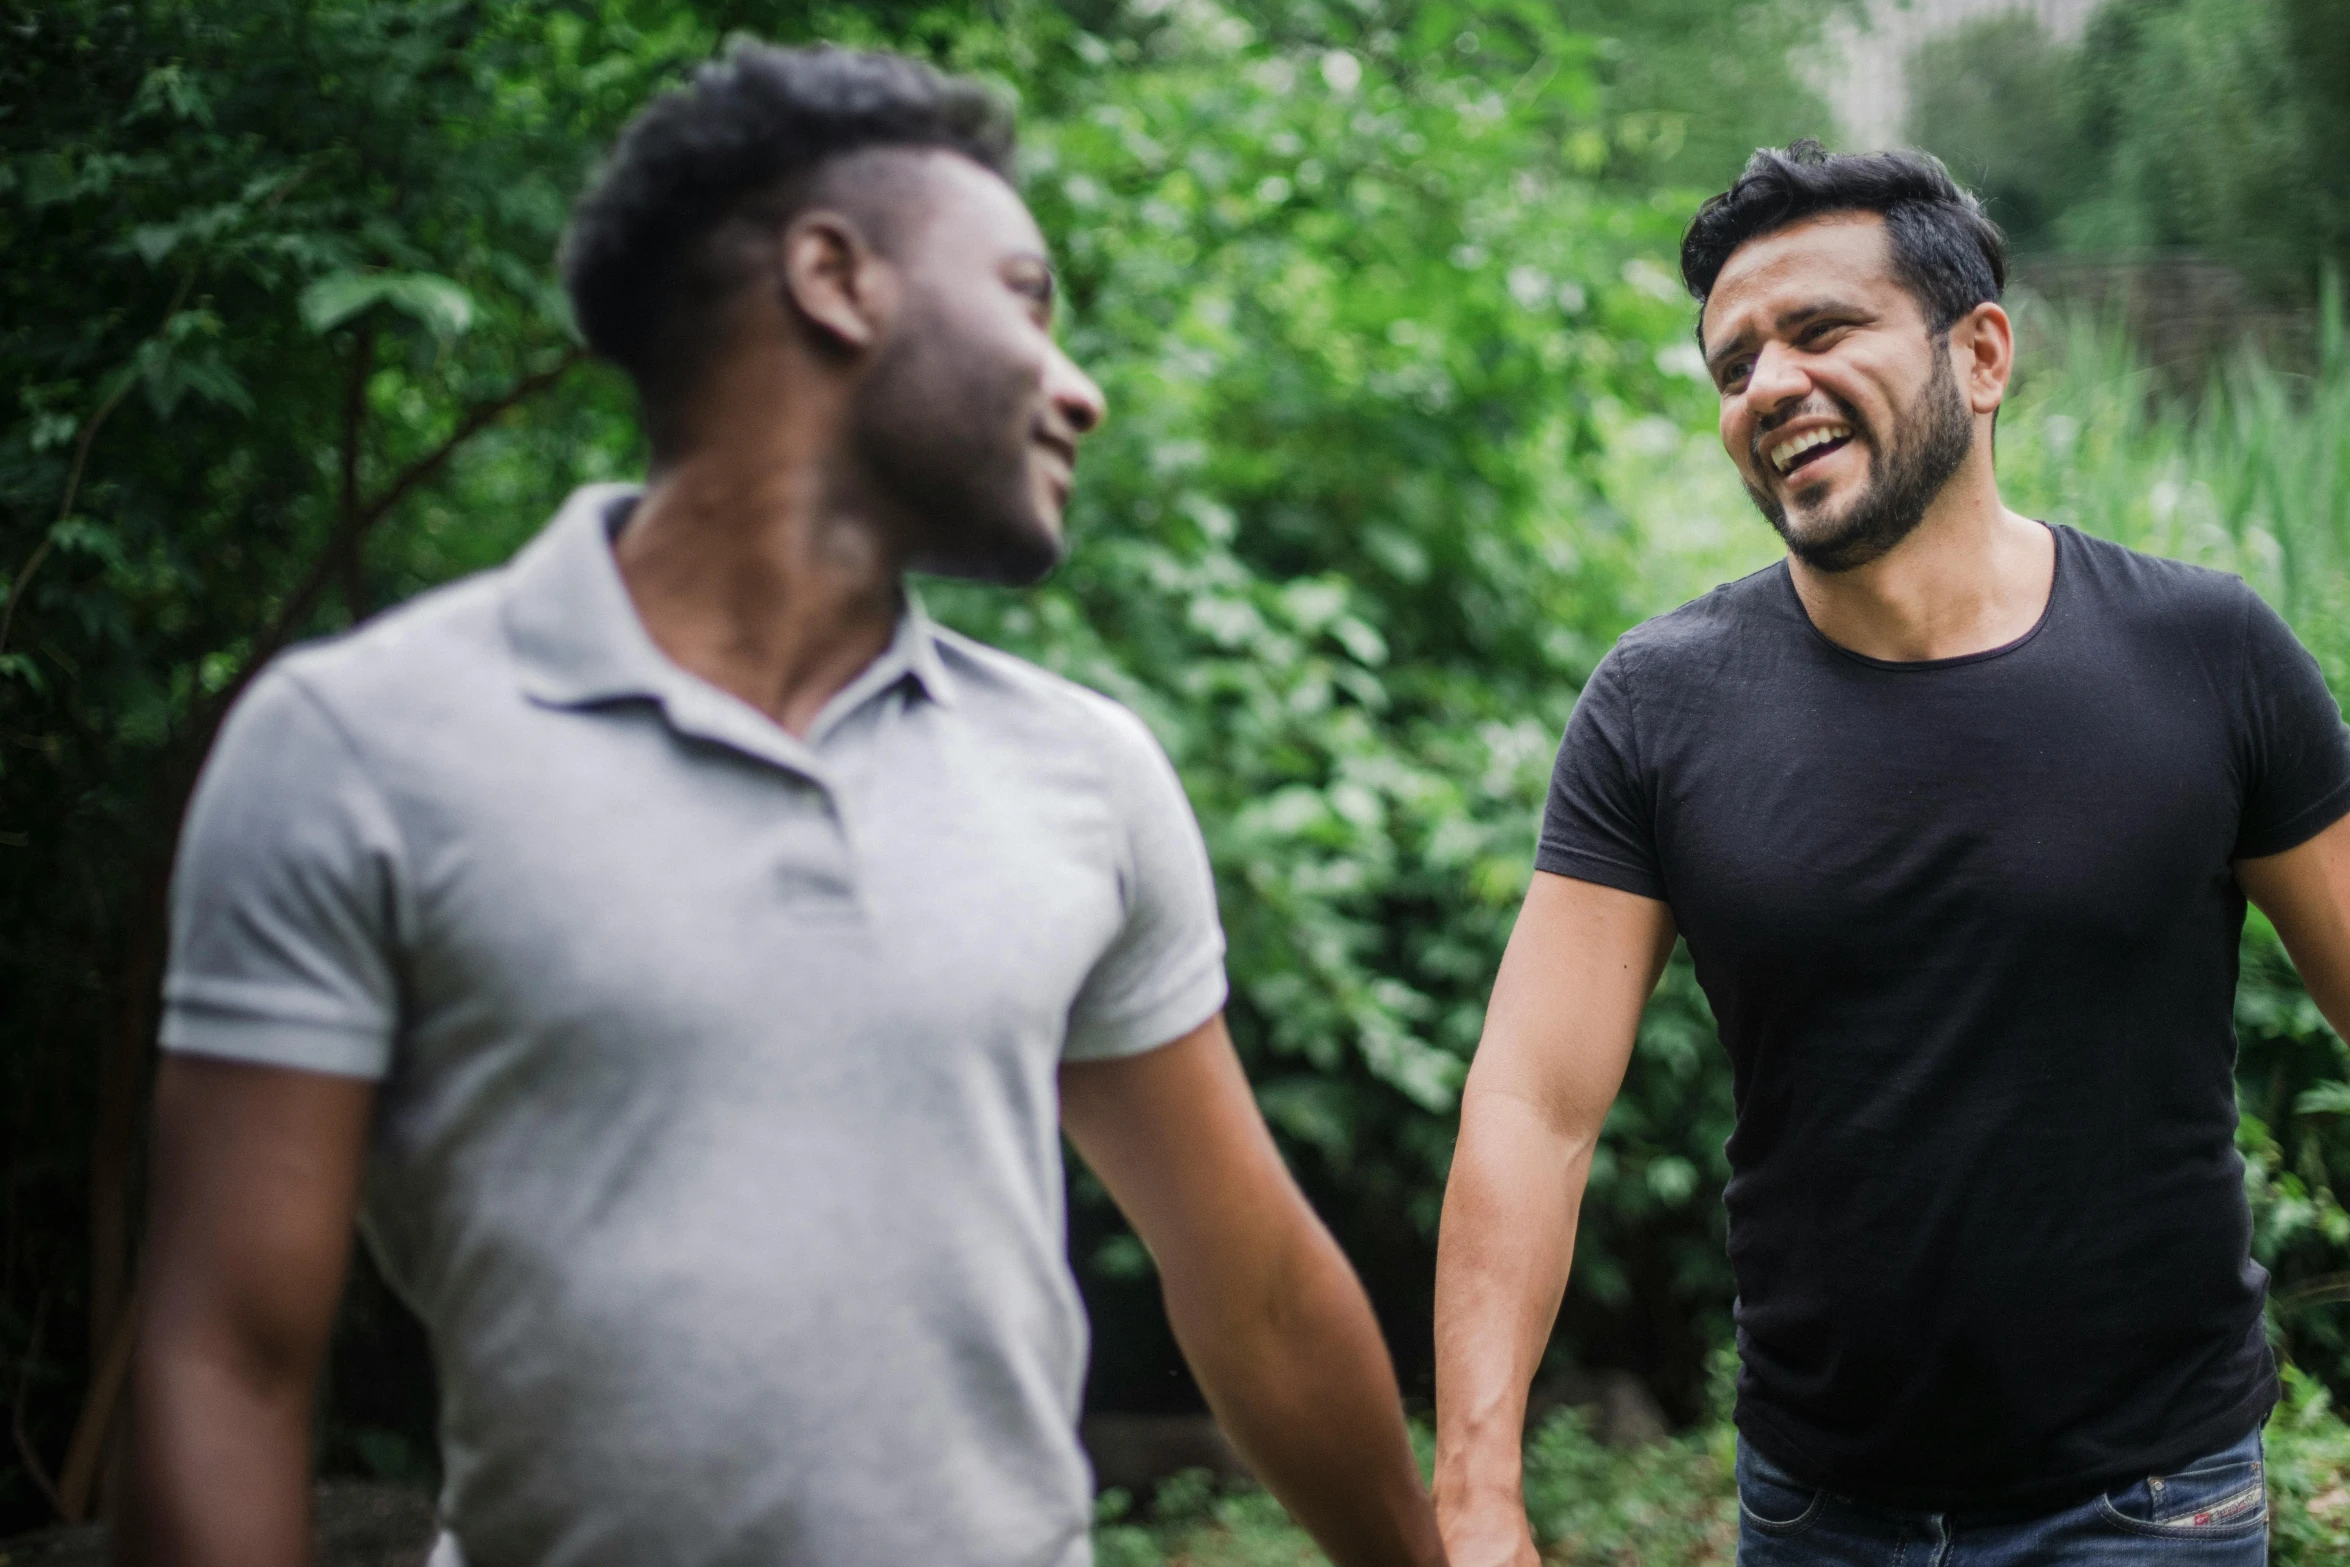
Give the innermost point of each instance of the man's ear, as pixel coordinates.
(1982, 345)
(833, 279)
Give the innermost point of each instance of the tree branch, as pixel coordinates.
(423, 469)
(85, 1453)
(303, 601)
(354, 430)
(33, 1466)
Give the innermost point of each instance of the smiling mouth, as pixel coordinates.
(1799, 451)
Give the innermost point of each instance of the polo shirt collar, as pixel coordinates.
(577, 640)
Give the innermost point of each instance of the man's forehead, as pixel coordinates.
(1840, 252)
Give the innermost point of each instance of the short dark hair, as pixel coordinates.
(743, 139)
(1948, 255)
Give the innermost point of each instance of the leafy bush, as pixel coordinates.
(2308, 1476)
(1670, 1504)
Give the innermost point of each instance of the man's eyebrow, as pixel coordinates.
(1819, 307)
(1787, 320)
(1714, 360)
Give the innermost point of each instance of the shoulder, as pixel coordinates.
(2165, 596)
(411, 661)
(1029, 705)
(1696, 639)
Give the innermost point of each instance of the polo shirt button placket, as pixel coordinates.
(844, 844)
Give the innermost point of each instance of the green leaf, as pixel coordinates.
(437, 302)
(154, 241)
(427, 297)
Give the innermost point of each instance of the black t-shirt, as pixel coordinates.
(1969, 928)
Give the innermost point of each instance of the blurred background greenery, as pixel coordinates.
(1406, 428)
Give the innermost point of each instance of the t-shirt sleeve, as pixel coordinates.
(1163, 974)
(1598, 824)
(282, 898)
(2296, 751)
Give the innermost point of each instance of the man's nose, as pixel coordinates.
(1074, 395)
(1775, 380)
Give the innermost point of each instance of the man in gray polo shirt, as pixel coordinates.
(684, 957)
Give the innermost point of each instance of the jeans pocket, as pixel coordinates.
(2224, 1494)
(1772, 1501)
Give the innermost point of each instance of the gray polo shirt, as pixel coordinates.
(718, 1135)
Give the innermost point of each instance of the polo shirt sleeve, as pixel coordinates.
(282, 897)
(1163, 973)
(1597, 825)
(2294, 753)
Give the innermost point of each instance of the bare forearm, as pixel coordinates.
(2305, 892)
(1507, 1242)
(220, 1467)
(1301, 1382)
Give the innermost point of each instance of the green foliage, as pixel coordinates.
(2308, 1476)
(1697, 85)
(2212, 126)
(1669, 1504)
(2221, 117)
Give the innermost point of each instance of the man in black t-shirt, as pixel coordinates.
(1958, 813)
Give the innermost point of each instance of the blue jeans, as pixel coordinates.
(2210, 1513)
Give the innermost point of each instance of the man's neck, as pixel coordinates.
(1972, 577)
(753, 576)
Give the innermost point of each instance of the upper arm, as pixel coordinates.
(1566, 1006)
(2293, 842)
(1175, 1135)
(2305, 892)
(255, 1183)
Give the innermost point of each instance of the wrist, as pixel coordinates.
(1464, 1490)
(1478, 1459)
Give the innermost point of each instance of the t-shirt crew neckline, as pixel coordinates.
(1927, 665)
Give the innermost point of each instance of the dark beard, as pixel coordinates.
(941, 431)
(1930, 446)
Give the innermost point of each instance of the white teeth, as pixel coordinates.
(1787, 451)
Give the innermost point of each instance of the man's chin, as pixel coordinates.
(1011, 556)
(1824, 540)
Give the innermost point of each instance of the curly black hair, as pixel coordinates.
(742, 140)
(1948, 255)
